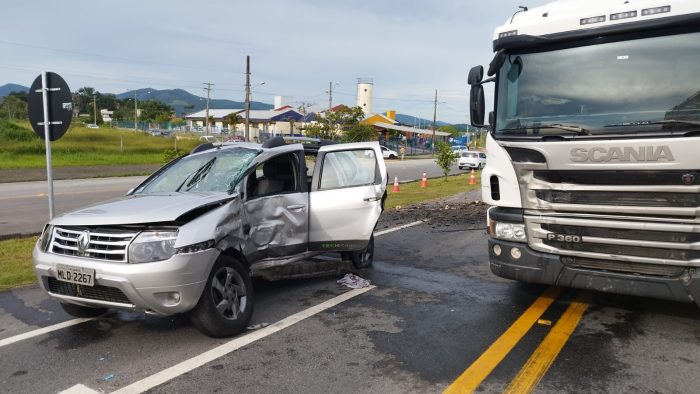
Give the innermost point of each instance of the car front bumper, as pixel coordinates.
(162, 287)
(549, 269)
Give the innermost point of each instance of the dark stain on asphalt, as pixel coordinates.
(19, 373)
(31, 316)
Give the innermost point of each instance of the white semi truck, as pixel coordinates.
(594, 146)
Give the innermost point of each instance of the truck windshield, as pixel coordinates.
(649, 85)
(214, 171)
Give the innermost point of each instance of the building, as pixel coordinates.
(263, 123)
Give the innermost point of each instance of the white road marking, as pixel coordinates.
(41, 331)
(391, 230)
(79, 389)
(237, 343)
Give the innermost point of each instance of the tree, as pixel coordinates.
(445, 158)
(232, 120)
(360, 133)
(454, 132)
(153, 110)
(333, 124)
(14, 107)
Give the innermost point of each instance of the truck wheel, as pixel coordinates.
(363, 258)
(226, 304)
(82, 311)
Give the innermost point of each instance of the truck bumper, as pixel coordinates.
(549, 269)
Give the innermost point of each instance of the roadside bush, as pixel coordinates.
(444, 157)
(12, 132)
(169, 155)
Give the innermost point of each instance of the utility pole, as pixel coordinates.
(136, 112)
(94, 107)
(206, 120)
(247, 98)
(434, 121)
(330, 96)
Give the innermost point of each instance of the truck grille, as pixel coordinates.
(97, 292)
(623, 221)
(99, 244)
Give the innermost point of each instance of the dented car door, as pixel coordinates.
(275, 213)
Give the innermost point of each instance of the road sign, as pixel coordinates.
(60, 106)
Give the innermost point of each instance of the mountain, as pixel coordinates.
(12, 87)
(185, 102)
(411, 121)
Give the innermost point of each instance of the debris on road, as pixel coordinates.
(353, 281)
(257, 326)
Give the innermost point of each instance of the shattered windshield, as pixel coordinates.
(647, 85)
(214, 171)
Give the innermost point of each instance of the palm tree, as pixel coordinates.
(233, 119)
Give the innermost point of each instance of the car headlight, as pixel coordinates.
(508, 231)
(152, 246)
(45, 238)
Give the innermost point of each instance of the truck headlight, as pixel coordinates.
(152, 246)
(508, 231)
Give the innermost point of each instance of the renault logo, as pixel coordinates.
(688, 179)
(83, 242)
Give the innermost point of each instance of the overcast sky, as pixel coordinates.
(409, 48)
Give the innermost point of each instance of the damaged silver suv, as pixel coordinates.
(189, 237)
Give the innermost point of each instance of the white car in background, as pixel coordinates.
(388, 153)
(458, 149)
(472, 159)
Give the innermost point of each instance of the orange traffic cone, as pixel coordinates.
(424, 182)
(396, 184)
(472, 178)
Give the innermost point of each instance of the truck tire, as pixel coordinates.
(363, 258)
(226, 304)
(82, 311)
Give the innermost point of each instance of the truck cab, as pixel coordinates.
(593, 174)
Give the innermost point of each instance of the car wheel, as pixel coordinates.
(226, 304)
(392, 157)
(363, 258)
(82, 311)
(460, 167)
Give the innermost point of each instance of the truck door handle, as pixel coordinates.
(246, 229)
(296, 207)
(370, 199)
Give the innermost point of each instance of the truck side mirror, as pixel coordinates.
(476, 105)
(476, 74)
(497, 62)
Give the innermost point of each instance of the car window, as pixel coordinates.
(348, 168)
(482, 155)
(275, 176)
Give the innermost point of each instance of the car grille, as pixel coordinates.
(623, 221)
(99, 244)
(97, 292)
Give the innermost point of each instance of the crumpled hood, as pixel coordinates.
(153, 208)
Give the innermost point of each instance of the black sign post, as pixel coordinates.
(50, 113)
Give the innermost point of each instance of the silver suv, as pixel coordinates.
(189, 237)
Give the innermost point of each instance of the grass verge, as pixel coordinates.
(16, 254)
(16, 262)
(412, 193)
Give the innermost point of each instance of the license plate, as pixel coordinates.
(77, 275)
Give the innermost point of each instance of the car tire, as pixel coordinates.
(226, 304)
(392, 157)
(363, 258)
(461, 168)
(82, 311)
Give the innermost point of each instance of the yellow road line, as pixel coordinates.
(545, 354)
(470, 379)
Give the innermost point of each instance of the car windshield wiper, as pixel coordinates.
(656, 122)
(197, 175)
(574, 129)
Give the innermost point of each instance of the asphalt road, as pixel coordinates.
(24, 205)
(435, 313)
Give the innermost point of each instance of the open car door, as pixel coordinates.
(345, 200)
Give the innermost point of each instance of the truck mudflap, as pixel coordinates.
(549, 269)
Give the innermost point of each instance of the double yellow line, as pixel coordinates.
(540, 360)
